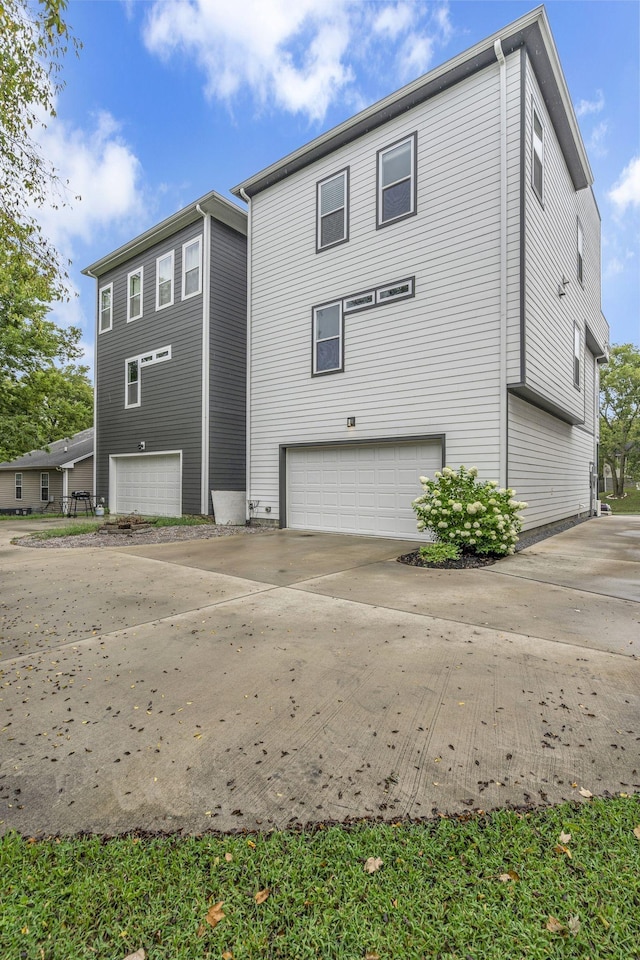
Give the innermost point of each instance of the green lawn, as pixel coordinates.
(557, 883)
(628, 504)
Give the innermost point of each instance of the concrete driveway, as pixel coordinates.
(289, 677)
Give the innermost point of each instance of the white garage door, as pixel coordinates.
(149, 484)
(359, 488)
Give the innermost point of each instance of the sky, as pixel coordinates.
(169, 99)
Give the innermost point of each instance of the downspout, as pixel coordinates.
(95, 393)
(503, 398)
(206, 359)
(247, 200)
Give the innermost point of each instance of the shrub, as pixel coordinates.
(437, 552)
(473, 515)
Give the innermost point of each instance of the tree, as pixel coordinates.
(620, 413)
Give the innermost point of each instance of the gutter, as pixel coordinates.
(503, 399)
(95, 386)
(247, 200)
(206, 359)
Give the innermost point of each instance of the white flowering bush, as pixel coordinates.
(476, 516)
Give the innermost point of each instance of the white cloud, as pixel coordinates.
(626, 192)
(416, 55)
(618, 264)
(596, 143)
(393, 19)
(585, 107)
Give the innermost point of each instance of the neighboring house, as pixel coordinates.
(170, 365)
(425, 289)
(43, 479)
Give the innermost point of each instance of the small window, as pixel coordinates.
(18, 486)
(397, 291)
(191, 268)
(164, 281)
(359, 302)
(132, 396)
(327, 338)
(106, 308)
(134, 295)
(44, 487)
(396, 181)
(537, 154)
(580, 253)
(333, 211)
(576, 355)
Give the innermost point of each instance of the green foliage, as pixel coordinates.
(620, 414)
(629, 503)
(483, 887)
(438, 552)
(476, 516)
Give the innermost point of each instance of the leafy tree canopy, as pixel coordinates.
(620, 413)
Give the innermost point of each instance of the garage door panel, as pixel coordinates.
(148, 484)
(370, 492)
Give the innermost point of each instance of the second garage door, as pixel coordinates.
(359, 488)
(149, 484)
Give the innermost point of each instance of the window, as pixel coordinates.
(164, 281)
(576, 355)
(360, 302)
(18, 486)
(396, 181)
(134, 295)
(333, 210)
(106, 308)
(133, 368)
(397, 291)
(580, 250)
(327, 338)
(44, 487)
(191, 268)
(537, 154)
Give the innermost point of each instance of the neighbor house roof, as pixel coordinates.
(61, 453)
(212, 203)
(531, 31)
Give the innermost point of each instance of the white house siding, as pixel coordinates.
(424, 366)
(550, 255)
(514, 100)
(548, 464)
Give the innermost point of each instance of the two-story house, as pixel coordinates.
(170, 366)
(425, 289)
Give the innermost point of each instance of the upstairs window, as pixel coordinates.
(576, 355)
(44, 487)
(106, 308)
(18, 486)
(132, 398)
(537, 154)
(333, 211)
(327, 338)
(191, 268)
(580, 263)
(397, 181)
(134, 295)
(164, 281)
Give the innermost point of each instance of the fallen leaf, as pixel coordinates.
(574, 925)
(261, 895)
(371, 955)
(251, 844)
(585, 793)
(564, 837)
(554, 926)
(509, 876)
(215, 914)
(227, 955)
(636, 831)
(138, 955)
(228, 857)
(372, 864)
(560, 849)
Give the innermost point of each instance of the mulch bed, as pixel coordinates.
(463, 563)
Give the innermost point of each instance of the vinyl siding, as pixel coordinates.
(81, 476)
(514, 219)
(228, 364)
(30, 489)
(426, 365)
(548, 464)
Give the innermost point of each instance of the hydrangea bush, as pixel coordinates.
(474, 515)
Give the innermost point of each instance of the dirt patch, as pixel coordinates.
(139, 536)
(462, 563)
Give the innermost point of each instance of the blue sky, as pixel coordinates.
(169, 100)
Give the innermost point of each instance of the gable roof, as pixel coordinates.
(61, 453)
(212, 203)
(531, 31)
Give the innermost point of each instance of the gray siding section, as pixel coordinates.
(81, 476)
(228, 359)
(169, 417)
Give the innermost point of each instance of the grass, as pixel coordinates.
(483, 888)
(76, 527)
(628, 504)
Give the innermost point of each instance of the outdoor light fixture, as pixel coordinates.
(561, 286)
(351, 421)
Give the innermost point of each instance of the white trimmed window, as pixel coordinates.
(397, 181)
(133, 369)
(580, 249)
(164, 281)
(333, 210)
(105, 298)
(44, 487)
(577, 343)
(362, 301)
(537, 154)
(18, 486)
(191, 268)
(327, 338)
(134, 295)
(396, 291)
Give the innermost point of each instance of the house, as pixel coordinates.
(45, 479)
(425, 289)
(170, 365)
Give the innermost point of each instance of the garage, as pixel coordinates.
(362, 488)
(148, 484)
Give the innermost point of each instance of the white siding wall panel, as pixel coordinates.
(513, 216)
(422, 366)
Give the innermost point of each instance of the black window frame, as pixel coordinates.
(411, 137)
(537, 113)
(345, 174)
(579, 251)
(322, 306)
(577, 354)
